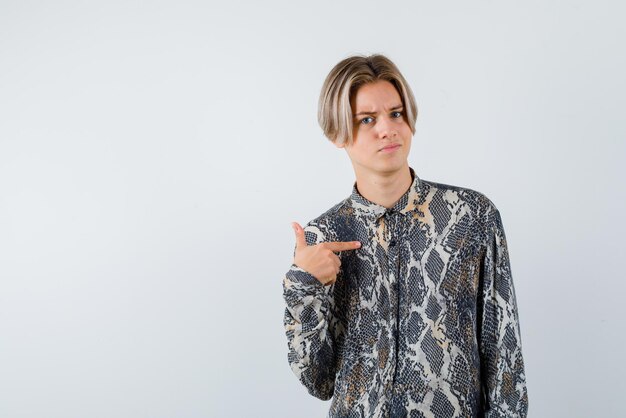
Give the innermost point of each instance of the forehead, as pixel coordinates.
(380, 93)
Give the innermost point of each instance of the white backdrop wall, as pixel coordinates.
(153, 155)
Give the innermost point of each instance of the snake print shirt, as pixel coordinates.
(422, 320)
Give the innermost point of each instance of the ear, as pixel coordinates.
(339, 145)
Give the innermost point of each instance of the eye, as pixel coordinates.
(396, 114)
(366, 121)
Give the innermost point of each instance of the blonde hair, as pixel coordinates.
(334, 112)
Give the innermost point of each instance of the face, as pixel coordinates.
(381, 135)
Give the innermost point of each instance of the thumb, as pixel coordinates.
(300, 239)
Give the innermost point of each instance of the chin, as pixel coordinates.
(390, 168)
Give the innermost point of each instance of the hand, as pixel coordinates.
(320, 260)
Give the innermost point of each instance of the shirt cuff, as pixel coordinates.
(303, 277)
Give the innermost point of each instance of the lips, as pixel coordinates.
(390, 147)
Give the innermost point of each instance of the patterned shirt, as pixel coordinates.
(422, 319)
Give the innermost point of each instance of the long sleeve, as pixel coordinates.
(502, 365)
(307, 317)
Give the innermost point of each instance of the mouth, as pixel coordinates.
(390, 148)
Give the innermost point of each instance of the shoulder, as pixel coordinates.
(322, 227)
(479, 205)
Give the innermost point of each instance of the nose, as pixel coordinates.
(386, 128)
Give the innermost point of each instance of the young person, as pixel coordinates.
(400, 300)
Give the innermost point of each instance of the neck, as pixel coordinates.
(384, 189)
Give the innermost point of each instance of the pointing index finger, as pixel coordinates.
(342, 245)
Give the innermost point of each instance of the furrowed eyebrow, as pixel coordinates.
(373, 113)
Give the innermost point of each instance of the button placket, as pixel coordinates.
(391, 219)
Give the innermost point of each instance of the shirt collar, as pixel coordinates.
(407, 202)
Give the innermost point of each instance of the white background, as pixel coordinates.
(153, 155)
